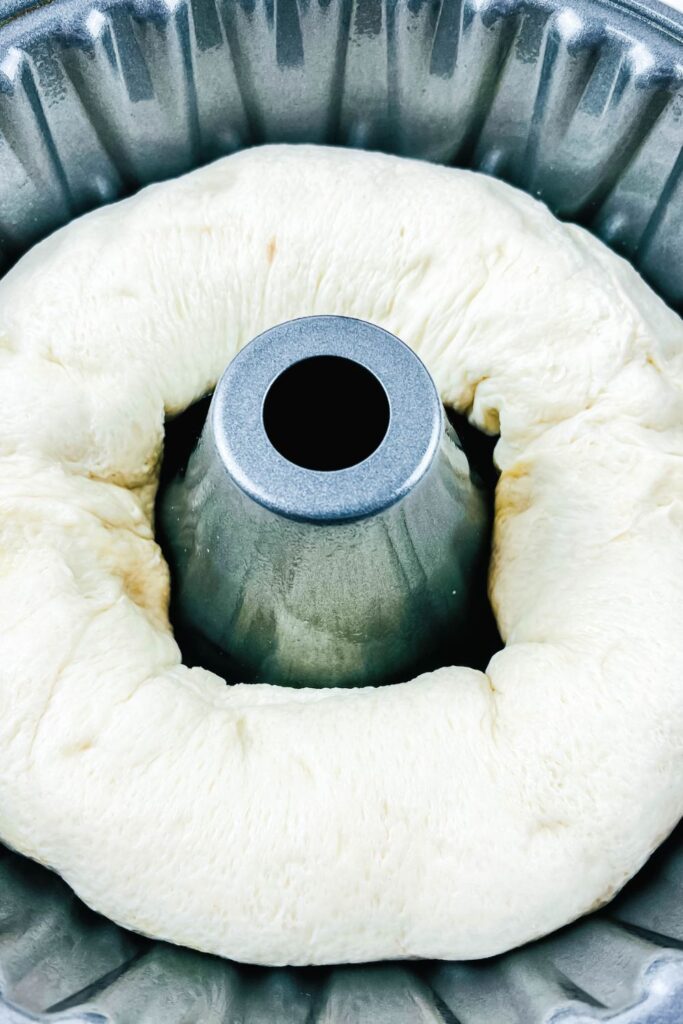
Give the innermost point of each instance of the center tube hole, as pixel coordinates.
(326, 413)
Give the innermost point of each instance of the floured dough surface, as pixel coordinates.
(456, 815)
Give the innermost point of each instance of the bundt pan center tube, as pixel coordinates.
(326, 530)
(67, 147)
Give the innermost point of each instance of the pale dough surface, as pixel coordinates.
(453, 816)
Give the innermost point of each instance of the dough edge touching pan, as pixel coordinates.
(453, 816)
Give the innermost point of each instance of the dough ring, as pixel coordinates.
(456, 815)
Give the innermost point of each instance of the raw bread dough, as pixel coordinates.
(456, 815)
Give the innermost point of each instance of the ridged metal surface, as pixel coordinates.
(580, 103)
(59, 962)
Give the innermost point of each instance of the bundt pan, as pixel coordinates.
(580, 102)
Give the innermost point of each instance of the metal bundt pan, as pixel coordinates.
(578, 101)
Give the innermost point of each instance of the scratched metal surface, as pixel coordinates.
(578, 101)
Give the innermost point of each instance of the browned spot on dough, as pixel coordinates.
(148, 589)
(519, 470)
(78, 747)
(271, 249)
(513, 493)
(602, 901)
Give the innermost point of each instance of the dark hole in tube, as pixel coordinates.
(326, 413)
